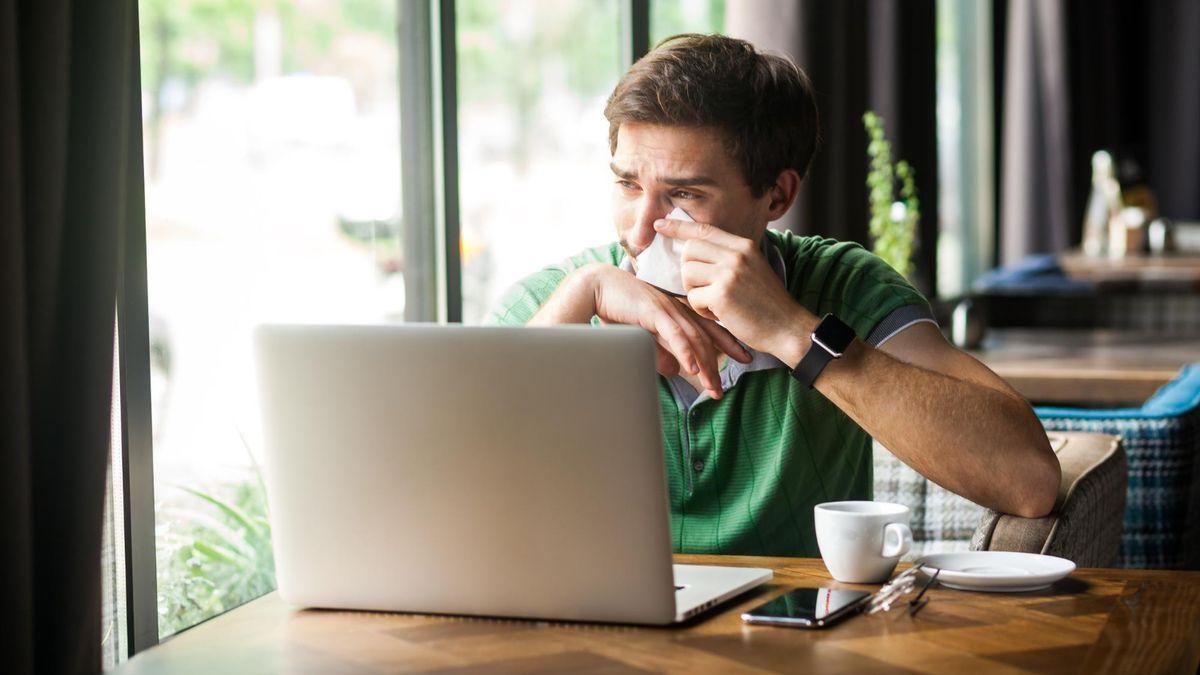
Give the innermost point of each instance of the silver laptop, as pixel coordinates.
(512, 472)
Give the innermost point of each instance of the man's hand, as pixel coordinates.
(728, 280)
(684, 340)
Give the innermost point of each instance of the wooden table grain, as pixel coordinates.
(1095, 368)
(1177, 271)
(1094, 621)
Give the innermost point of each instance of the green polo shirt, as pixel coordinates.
(745, 471)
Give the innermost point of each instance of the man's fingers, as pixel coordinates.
(710, 374)
(701, 299)
(676, 340)
(725, 341)
(702, 345)
(664, 361)
(677, 332)
(704, 250)
(695, 273)
(681, 229)
(719, 336)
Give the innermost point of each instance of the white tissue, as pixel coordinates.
(660, 265)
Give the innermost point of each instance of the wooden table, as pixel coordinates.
(1097, 368)
(1097, 620)
(1177, 271)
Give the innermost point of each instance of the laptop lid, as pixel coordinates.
(467, 470)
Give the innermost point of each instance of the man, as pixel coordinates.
(709, 125)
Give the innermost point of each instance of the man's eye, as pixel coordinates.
(685, 194)
(627, 184)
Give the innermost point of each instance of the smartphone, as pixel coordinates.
(809, 608)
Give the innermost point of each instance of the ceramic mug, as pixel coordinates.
(861, 542)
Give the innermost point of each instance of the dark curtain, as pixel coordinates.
(1035, 164)
(860, 54)
(68, 102)
(1128, 81)
(1173, 106)
(1101, 59)
(1136, 90)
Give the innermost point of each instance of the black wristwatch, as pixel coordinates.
(829, 341)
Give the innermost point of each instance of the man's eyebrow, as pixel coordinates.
(669, 180)
(689, 180)
(622, 173)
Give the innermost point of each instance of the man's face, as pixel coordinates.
(658, 168)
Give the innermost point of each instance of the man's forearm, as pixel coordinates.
(574, 301)
(972, 439)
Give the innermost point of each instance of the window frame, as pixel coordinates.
(975, 161)
(427, 50)
(137, 448)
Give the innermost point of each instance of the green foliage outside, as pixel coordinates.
(191, 40)
(501, 57)
(507, 50)
(667, 18)
(184, 42)
(894, 220)
(213, 554)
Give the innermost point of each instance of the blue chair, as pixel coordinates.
(1162, 442)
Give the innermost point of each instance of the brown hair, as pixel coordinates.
(763, 103)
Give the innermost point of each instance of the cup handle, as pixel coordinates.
(897, 539)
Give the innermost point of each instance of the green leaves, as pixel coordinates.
(893, 221)
(214, 551)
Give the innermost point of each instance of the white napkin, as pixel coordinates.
(660, 265)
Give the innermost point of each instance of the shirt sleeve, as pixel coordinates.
(844, 279)
(901, 319)
(523, 299)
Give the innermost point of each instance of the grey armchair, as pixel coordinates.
(1085, 526)
(1088, 517)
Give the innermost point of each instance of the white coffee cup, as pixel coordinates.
(861, 542)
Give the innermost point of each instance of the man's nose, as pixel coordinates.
(649, 211)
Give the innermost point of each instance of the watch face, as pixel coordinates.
(834, 334)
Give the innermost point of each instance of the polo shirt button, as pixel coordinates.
(698, 465)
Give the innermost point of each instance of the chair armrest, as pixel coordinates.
(1088, 517)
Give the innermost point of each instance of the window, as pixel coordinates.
(672, 17)
(271, 135)
(964, 137)
(273, 176)
(533, 77)
(113, 627)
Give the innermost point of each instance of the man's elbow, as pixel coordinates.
(1040, 489)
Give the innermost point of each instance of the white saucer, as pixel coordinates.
(996, 571)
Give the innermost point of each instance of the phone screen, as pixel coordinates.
(807, 607)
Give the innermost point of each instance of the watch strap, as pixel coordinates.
(830, 339)
(811, 365)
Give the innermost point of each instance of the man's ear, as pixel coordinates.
(782, 194)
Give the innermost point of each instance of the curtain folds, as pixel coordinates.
(1035, 160)
(1173, 106)
(67, 95)
(860, 54)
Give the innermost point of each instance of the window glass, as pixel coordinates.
(964, 137)
(533, 77)
(272, 194)
(113, 615)
(672, 17)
